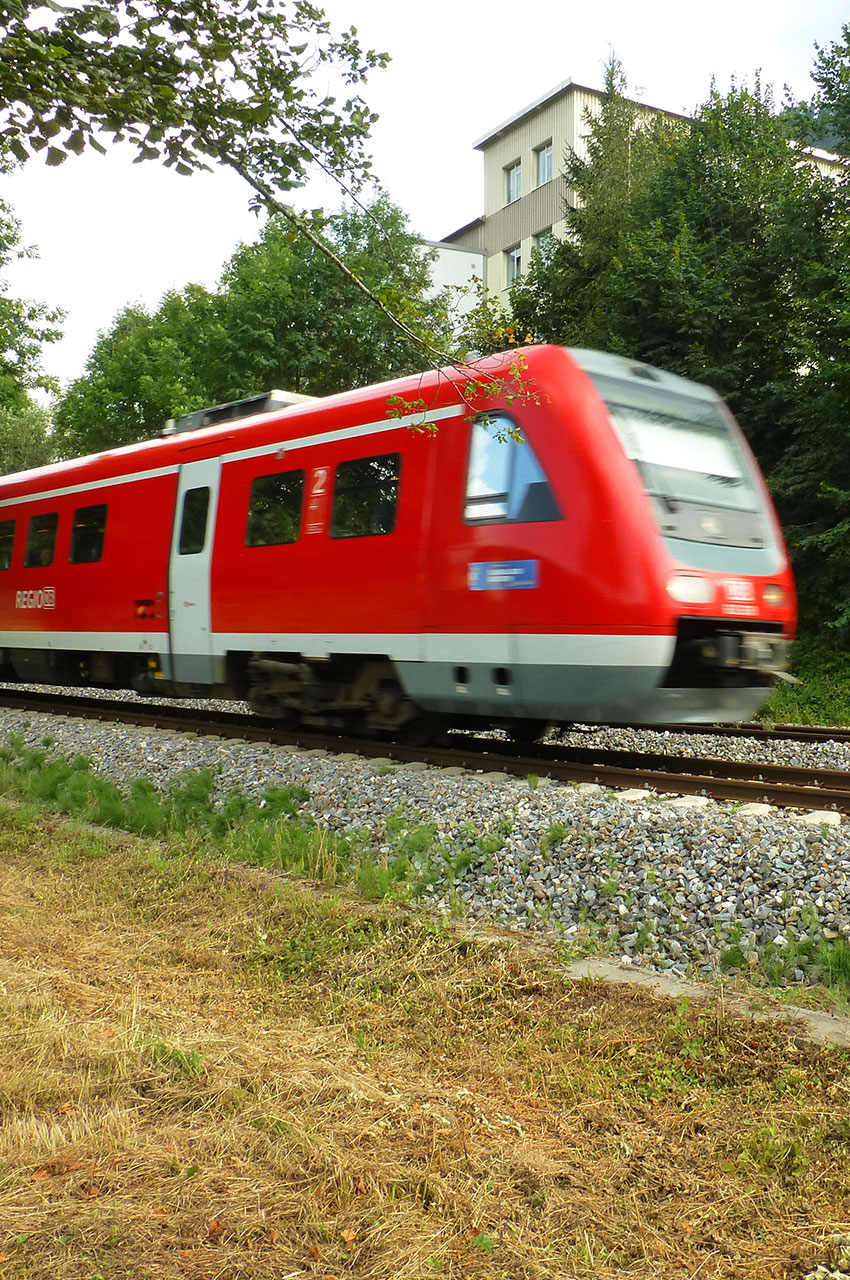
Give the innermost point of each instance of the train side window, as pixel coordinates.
(366, 497)
(274, 512)
(87, 534)
(193, 522)
(505, 482)
(41, 540)
(7, 542)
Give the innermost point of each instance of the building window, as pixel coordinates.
(505, 483)
(366, 497)
(7, 542)
(513, 174)
(514, 264)
(274, 515)
(41, 540)
(193, 524)
(87, 534)
(544, 163)
(544, 241)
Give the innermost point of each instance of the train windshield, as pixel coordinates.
(685, 450)
(697, 476)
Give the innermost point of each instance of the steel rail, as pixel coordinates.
(9, 696)
(777, 733)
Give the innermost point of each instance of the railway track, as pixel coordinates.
(781, 785)
(761, 733)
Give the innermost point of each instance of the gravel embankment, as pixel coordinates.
(670, 883)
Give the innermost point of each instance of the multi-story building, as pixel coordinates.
(524, 188)
(525, 191)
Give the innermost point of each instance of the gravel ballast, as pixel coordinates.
(678, 884)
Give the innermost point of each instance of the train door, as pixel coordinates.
(189, 597)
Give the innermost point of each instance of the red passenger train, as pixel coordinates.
(599, 548)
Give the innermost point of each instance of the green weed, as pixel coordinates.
(554, 834)
(823, 696)
(773, 1153)
(178, 1061)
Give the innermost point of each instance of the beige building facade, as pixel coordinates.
(525, 191)
(524, 187)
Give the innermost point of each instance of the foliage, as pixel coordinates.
(812, 125)
(288, 318)
(24, 326)
(566, 294)
(811, 478)
(184, 82)
(191, 82)
(24, 439)
(832, 76)
(140, 373)
(282, 316)
(823, 694)
(709, 229)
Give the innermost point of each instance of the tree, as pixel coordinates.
(289, 318)
(718, 250)
(282, 316)
(25, 326)
(831, 107)
(565, 295)
(140, 373)
(811, 479)
(24, 438)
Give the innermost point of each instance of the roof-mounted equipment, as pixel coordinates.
(266, 402)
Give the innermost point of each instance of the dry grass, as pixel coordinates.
(207, 1073)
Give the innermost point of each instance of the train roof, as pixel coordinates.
(411, 400)
(624, 368)
(280, 421)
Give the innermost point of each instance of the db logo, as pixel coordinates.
(739, 591)
(43, 598)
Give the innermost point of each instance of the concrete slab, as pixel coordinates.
(823, 1028)
(821, 817)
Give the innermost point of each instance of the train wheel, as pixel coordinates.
(421, 731)
(526, 732)
(287, 720)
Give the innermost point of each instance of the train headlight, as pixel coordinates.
(690, 588)
(773, 595)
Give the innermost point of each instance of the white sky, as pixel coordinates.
(110, 233)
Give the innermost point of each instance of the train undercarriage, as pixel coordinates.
(717, 671)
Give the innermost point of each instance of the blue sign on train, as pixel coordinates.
(504, 575)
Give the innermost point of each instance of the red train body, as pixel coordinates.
(602, 549)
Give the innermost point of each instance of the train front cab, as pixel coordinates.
(619, 561)
(722, 568)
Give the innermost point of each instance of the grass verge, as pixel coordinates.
(208, 1072)
(823, 695)
(276, 831)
